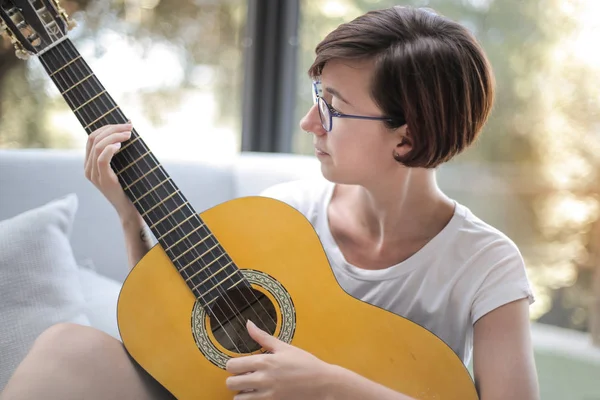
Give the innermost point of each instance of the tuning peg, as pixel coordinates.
(22, 54)
(71, 23)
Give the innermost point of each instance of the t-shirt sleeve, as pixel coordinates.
(504, 279)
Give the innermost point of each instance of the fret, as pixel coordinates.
(193, 247)
(95, 111)
(177, 226)
(90, 100)
(160, 203)
(215, 298)
(218, 285)
(189, 278)
(133, 163)
(201, 270)
(214, 274)
(156, 196)
(175, 218)
(201, 234)
(66, 65)
(130, 142)
(237, 283)
(77, 84)
(186, 236)
(146, 175)
(158, 213)
(191, 262)
(101, 117)
(168, 215)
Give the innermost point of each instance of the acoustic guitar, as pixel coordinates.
(182, 309)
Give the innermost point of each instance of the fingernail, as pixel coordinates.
(118, 145)
(252, 323)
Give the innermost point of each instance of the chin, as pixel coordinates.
(337, 176)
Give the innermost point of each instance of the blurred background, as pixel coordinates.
(206, 79)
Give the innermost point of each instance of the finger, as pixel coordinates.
(267, 341)
(104, 131)
(102, 141)
(246, 382)
(101, 132)
(243, 365)
(258, 395)
(104, 170)
(94, 139)
(92, 136)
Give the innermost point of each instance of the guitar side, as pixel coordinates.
(155, 313)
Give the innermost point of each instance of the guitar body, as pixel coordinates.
(155, 313)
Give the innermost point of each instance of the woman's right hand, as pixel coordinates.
(102, 145)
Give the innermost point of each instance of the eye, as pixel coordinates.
(335, 110)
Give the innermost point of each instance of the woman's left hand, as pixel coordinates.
(287, 373)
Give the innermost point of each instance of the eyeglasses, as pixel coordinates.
(327, 112)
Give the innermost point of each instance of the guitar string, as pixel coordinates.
(187, 276)
(214, 242)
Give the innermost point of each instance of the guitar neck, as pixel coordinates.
(142, 177)
(157, 198)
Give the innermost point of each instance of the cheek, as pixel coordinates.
(360, 149)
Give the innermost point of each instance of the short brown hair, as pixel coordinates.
(429, 71)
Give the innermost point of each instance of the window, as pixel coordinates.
(176, 71)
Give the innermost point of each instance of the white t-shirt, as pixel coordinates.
(464, 272)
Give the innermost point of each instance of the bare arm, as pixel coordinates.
(101, 146)
(138, 239)
(502, 354)
(348, 385)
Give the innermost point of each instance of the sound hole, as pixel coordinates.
(228, 316)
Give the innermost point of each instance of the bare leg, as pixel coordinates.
(71, 361)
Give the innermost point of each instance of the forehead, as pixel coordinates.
(352, 80)
(347, 75)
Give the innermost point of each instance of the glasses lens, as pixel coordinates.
(324, 114)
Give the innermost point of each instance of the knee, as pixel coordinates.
(66, 341)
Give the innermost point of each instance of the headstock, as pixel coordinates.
(33, 25)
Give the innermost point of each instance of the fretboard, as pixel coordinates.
(202, 262)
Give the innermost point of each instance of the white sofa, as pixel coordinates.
(66, 261)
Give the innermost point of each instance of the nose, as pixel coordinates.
(311, 122)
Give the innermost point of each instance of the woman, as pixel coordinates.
(397, 93)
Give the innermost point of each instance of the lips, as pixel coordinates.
(318, 150)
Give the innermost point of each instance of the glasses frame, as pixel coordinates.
(334, 113)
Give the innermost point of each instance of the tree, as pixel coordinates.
(205, 36)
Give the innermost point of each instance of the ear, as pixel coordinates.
(404, 143)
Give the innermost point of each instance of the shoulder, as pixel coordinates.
(305, 195)
(482, 244)
(495, 266)
(480, 234)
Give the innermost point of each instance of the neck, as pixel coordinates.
(411, 209)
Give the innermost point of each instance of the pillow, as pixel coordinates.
(101, 295)
(39, 284)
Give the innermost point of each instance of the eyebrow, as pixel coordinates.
(337, 94)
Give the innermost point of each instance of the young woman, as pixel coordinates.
(397, 93)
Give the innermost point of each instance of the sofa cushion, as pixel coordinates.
(39, 283)
(101, 295)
